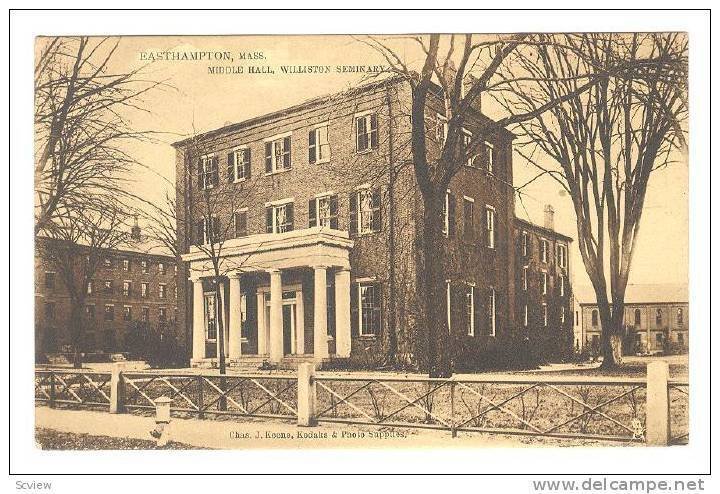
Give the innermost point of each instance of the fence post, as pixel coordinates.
(306, 395)
(52, 389)
(453, 428)
(657, 410)
(200, 404)
(117, 389)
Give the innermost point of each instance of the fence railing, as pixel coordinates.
(652, 410)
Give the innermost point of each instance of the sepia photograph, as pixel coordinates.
(401, 240)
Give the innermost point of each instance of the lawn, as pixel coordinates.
(54, 440)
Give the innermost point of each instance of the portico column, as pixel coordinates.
(320, 341)
(276, 322)
(235, 324)
(342, 313)
(198, 320)
(262, 336)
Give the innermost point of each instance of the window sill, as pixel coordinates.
(321, 162)
(239, 180)
(277, 172)
(367, 337)
(365, 151)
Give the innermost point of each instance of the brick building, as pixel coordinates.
(655, 320)
(134, 288)
(543, 288)
(319, 214)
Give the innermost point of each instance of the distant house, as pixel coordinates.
(656, 318)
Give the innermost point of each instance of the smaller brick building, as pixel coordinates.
(133, 290)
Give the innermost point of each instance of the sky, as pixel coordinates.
(196, 101)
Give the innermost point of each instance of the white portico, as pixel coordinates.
(288, 294)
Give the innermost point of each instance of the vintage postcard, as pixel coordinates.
(361, 241)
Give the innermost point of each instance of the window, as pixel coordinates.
(544, 248)
(469, 217)
(107, 262)
(525, 278)
(366, 132)
(144, 266)
(144, 290)
(162, 314)
(162, 290)
(323, 211)
(658, 317)
(562, 314)
(279, 218)
(210, 326)
(470, 157)
(277, 155)
(161, 268)
(545, 315)
(577, 318)
(449, 215)
(90, 288)
(637, 317)
(562, 285)
(525, 315)
(490, 226)
(594, 318)
(126, 265)
(369, 304)
(50, 281)
(90, 312)
(681, 338)
(240, 223)
(491, 311)
(441, 130)
(127, 313)
(238, 164)
(487, 156)
(318, 145)
(127, 288)
(109, 312)
(108, 286)
(525, 244)
(145, 314)
(207, 172)
(680, 318)
(562, 255)
(544, 282)
(50, 311)
(470, 310)
(447, 305)
(204, 234)
(365, 212)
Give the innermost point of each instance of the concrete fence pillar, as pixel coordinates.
(306, 395)
(117, 389)
(657, 410)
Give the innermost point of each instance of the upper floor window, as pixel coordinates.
(562, 285)
(486, 151)
(279, 218)
(441, 130)
(162, 314)
(126, 264)
(469, 217)
(525, 315)
(594, 318)
(107, 262)
(449, 215)
(90, 288)
(161, 268)
(544, 280)
(144, 266)
(90, 312)
(490, 226)
(680, 318)
(109, 312)
(366, 132)
(562, 255)
(207, 172)
(144, 289)
(162, 290)
(369, 308)
(108, 286)
(127, 288)
(323, 211)
(545, 314)
(127, 313)
(470, 310)
(318, 145)
(658, 317)
(145, 314)
(637, 317)
(544, 249)
(238, 164)
(491, 311)
(470, 156)
(525, 278)
(277, 155)
(525, 244)
(50, 281)
(205, 235)
(240, 223)
(365, 211)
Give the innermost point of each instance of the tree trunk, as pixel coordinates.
(612, 333)
(222, 402)
(76, 331)
(432, 284)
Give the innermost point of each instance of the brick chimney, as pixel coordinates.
(549, 217)
(135, 230)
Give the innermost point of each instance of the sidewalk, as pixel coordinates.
(256, 434)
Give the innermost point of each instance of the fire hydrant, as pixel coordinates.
(162, 421)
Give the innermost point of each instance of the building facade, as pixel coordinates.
(133, 290)
(543, 288)
(315, 219)
(655, 320)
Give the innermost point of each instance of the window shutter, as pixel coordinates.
(360, 134)
(312, 213)
(478, 313)
(286, 153)
(231, 167)
(334, 212)
(373, 131)
(269, 219)
(268, 157)
(377, 210)
(289, 211)
(354, 311)
(353, 213)
(200, 176)
(312, 151)
(215, 164)
(451, 215)
(377, 310)
(246, 165)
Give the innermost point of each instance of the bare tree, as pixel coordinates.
(456, 71)
(603, 143)
(160, 223)
(82, 110)
(75, 243)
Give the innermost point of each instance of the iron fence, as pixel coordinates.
(72, 387)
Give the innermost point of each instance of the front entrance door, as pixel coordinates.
(288, 328)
